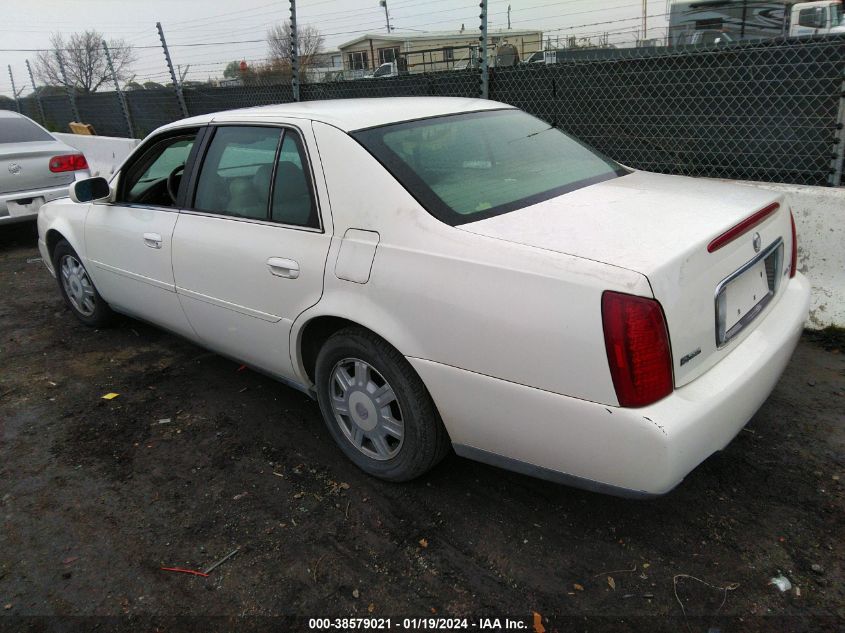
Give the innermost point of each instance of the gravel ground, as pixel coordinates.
(195, 458)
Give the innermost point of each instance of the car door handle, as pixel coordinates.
(153, 240)
(282, 267)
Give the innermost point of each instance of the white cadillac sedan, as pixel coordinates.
(450, 272)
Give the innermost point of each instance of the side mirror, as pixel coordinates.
(90, 190)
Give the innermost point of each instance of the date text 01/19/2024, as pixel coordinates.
(414, 624)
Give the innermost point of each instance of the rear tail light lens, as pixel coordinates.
(638, 351)
(68, 162)
(793, 264)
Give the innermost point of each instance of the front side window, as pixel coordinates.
(383, 71)
(813, 17)
(471, 166)
(155, 176)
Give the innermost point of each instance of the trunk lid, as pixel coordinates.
(25, 167)
(660, 226)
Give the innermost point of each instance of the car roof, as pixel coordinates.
(9, 114)
(351, 114)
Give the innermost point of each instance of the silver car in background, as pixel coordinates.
(35, 167)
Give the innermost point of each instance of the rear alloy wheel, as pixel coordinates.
(77, 289)
(366, 409)
(377, 408)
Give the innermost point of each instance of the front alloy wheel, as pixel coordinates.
(77, 288)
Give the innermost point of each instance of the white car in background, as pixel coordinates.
(35, 167)
(445, 271)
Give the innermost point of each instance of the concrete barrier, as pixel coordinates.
(820, 222)
(104, 153)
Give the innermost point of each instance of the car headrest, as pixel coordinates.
(261, 180)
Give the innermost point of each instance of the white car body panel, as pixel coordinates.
(428, 268)
(136, 276)
(251, 321)
(623, 222)
(628, 452)
(501, 318)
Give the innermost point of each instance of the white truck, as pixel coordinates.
(724, 21)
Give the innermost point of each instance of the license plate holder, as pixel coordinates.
(24, 206)
(743, 294)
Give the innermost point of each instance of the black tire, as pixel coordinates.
(424, 442)
(102, 314)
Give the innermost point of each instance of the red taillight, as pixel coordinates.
(793, 264)
(638, 352)
(735, 231)
(68, 162)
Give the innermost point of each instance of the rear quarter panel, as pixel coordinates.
(438, 293)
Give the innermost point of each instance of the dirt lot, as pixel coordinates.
(96, 496)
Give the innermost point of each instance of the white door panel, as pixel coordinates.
(236, 284)
(129, 250)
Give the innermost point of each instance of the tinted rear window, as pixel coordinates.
(468, 167)
(18, 130)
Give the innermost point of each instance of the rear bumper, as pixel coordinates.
(628, 452)
(8, 217)
(48, 194)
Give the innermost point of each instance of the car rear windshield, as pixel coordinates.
(471, 166)
(19, 130)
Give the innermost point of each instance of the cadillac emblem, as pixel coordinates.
(14, 169)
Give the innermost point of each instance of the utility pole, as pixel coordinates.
(383, 3)
(482, 51)
(120, 96)
(37, 96)
(14, 90)
(509, 17)
(294, 52)
(70, 90)
(645, 20)
(176, 83)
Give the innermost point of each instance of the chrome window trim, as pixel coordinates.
(223, 216)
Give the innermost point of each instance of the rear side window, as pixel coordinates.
(21, 130)
(292, 199)
(238, 169)
(258, 173)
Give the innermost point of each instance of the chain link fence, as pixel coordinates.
(769, 110)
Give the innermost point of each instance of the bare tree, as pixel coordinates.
(309, 40)
(84, 60)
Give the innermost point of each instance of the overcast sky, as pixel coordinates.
(188, 23)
